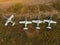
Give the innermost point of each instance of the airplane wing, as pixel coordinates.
(40, 21)
(46, 20)
(28, 22)
(53, 22)
(34, 21)
(7, 23)
(5, 17)
(22, 22)
(10, 17)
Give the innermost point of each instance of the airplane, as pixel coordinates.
(26, 23)
(9, 20)
(37, 22)
(49, 22)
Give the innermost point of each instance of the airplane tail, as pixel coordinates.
(13, 24)
(25, 28)
(5, 17)
(48, 27)
(37, 27)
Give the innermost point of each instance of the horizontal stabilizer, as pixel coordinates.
(13, 24)
(48, 27)
(37, 27)
(25, 28)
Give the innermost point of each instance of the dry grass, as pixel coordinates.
(17, 36)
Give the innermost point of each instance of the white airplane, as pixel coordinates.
(37, 22)
(49, 23)
(26, 23)
(9, 20)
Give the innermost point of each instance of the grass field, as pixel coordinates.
(17, 36)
